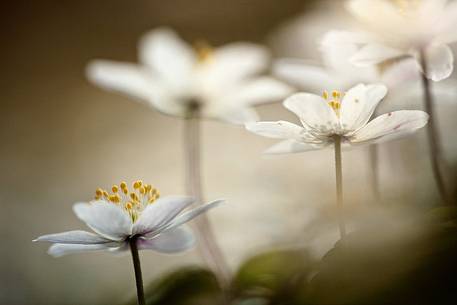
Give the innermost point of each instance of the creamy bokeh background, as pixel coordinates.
(62, 138)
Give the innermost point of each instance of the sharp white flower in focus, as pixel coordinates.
(155, 223)
(399, 29)
(345, 115)
(175, 77)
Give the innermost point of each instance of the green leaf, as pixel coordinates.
(414, 263)
(186, 286)
(271, 275)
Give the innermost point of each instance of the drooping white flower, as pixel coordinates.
(398, 29)
(344, 115)
(175, 77)
(155, 223)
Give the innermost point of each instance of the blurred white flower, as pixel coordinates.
(345, 115)
(174, 77)
(399, 29)
(116, 218)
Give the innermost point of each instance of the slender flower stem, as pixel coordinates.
(208, 246)
(339, 185)
(137, 267)
(433, 135)
(374, 174)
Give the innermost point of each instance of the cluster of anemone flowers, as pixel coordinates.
(196, 82)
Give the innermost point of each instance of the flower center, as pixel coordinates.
(204, 51)
(406, 5)
(334, 100)
(134, 201)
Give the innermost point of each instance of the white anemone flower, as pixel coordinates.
(116, 219)
(399, 29)
(175, 77)
(346, 116)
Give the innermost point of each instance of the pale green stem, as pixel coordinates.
(339, 185)
(433, 135)
(208, 245)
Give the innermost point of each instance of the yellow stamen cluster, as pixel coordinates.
(133, 201)
(204, 51)
(334, 101)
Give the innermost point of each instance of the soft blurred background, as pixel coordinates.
(63, 137)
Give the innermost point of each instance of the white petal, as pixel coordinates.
(440, 62)
(261, 90)
(169, 56)
(189, 215)
(172, 241)
(276, 130)
(127, 78)
(337, 60)
(373, 54)
(106, 219)
(230, 114)
(446, 25)
(305, 76)
(359, 104)
(160, 213)
(312, 110)
(291, 146)
(236, 61)
(74, 237)
(403, 121)
(333, 39)
(58, 250)
(378, 14)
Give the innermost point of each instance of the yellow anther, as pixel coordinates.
(336, 94)
(137, 184)
(115, 198)
(99, 192)
(115, 188)
(105, 193)
(325, 95)
(123, 185)
(129, 205)
(142, 190)
(148, 187)
(134, 196)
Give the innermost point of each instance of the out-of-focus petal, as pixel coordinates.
(260, 91)
(160, 213)
(372, 54)
(397, 122)
(440, 62)
(169, 56)
(377, 14)
(106, 219)
(176, 240)
(234, 62)
(336, 38)
(126, 78)
(233, 115)
(305, 76)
